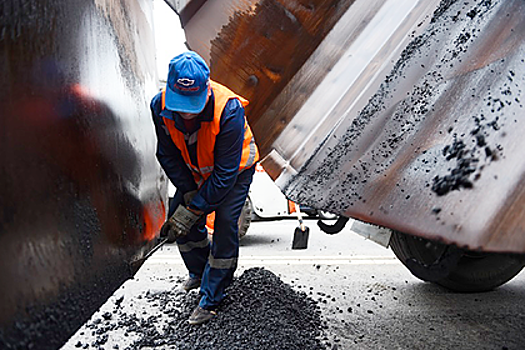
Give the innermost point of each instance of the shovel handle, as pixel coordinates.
(137, 263)
(300, 218)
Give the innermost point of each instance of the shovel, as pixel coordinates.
(136, 264)
(301, 233)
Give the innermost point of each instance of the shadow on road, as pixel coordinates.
(254, 240)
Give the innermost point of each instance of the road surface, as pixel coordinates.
(368, 298)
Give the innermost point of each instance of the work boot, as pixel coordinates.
(200, 316)
(191, 283)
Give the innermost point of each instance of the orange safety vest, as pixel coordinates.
(207, 134)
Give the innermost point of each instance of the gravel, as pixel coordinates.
(260, 312)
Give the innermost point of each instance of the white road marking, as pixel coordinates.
(293, 260)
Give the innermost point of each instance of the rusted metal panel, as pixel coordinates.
(437, 151)
(257, 47)
(433, 150)
(277, 53)
(82, 194)
(343, 73)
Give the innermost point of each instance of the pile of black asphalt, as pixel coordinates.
(260, 312)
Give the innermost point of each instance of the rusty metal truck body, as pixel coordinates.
(407, 115)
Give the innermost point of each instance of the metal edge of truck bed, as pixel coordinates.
(432, 150)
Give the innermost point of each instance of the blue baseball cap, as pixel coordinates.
(188, 81)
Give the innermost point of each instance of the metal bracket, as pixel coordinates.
(380, 235)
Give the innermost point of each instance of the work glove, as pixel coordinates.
(179, 224)
(188, 196)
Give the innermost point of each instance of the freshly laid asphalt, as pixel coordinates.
(343, 292)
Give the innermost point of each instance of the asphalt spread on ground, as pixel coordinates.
(260, 312)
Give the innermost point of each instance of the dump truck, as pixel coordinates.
(405, 115)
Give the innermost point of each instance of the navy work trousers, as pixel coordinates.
(215, 262)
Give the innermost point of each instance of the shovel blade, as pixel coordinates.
(300, 238)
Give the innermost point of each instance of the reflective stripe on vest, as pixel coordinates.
(207, 135)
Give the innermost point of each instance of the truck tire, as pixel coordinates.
(469, 272)
(245, 219)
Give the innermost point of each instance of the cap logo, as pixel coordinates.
(185, 82)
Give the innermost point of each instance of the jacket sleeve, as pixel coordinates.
(228, 152)
(168, 154)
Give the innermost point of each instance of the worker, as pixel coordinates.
(208, 152)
